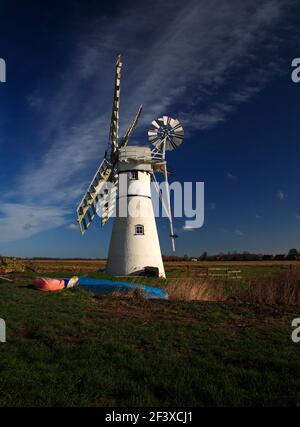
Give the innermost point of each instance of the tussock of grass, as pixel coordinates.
(195, 290)
(280, 289)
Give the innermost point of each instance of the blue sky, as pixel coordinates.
(223, 68)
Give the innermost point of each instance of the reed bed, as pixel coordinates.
(278, 289)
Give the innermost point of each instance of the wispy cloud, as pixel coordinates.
(18, 221)
(281, 195)
(224, 230)
(184, 228)
(182, 64)
(212, 206)
(231, 177)
(73, 227)
(238, 232)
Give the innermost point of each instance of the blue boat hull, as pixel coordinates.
(106, 287)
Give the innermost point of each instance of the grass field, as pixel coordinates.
(71, 348)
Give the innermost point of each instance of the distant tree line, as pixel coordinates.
(292, 255)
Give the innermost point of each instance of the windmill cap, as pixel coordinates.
(135, 153)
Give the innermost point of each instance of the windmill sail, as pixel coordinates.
(131, 128)
(86, 210)
(114, 126)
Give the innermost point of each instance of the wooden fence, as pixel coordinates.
(213, 272)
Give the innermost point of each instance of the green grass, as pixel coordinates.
(69, 348)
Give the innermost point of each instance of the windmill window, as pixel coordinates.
(139, 230)
(134, 175)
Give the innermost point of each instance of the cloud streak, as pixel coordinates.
(19, 221)
(238, 232)
(281, 195)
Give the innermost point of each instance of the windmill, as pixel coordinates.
(134, 244)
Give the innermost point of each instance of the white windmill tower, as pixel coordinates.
(121, 185)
